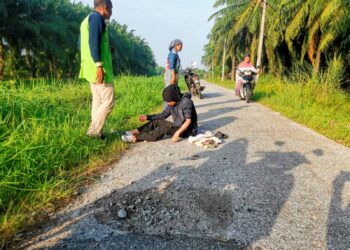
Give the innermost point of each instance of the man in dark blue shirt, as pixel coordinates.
(183, 112)
(96, 65)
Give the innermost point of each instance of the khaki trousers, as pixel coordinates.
(102, 104)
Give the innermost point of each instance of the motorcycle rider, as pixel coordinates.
(173, 63)
(244, 65)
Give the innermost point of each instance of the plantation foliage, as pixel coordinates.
(40, 38)
(296, 33)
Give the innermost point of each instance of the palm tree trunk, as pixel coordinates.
(317, 62)
(233, 68)
(261, 35)
(31, 64)
(2, 61)
(223, 62)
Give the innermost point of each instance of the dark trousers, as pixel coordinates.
(155, 130)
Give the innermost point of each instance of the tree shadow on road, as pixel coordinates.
(215, 103)
(339, 214)
(216, 124)
(216, 112)
(211, 95)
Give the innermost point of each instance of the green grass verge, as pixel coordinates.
(44, 153)
(317, 106)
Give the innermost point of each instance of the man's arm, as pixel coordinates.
(96, 28)
(187, 111)
(182, 129)
(161, 116)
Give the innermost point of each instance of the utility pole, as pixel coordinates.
(223, 62)
(261, 36)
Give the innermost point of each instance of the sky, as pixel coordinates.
(161, 21)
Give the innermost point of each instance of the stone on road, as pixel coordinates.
(273, 184)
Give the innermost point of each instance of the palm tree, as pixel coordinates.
(41, 36)
(322, 22)
(18, 30)
(238, 21)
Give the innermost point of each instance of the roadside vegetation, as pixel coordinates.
(44, 153)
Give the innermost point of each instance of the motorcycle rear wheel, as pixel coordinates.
(199, 91)
(248, 93)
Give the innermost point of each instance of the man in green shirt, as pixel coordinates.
(96, 64)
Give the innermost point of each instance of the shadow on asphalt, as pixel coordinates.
(338, 235)
(211, 95)
(216, 103)
(216, 124)
(227, 202)
(216, 112)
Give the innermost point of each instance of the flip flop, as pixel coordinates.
(220, 135)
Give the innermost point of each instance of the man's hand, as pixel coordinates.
(175, 138)
(143, 118)
(99, 75)
(177, 134)
(172, 81)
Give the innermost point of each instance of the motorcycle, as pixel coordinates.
(193, 83)
(247, 87)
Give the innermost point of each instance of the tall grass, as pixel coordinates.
(43, 147)
(315, 101)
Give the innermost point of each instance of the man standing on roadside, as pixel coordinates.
(96, 64)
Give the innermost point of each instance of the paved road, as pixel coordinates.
(273, 184)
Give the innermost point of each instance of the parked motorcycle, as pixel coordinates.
(247, 87)
(193, 82)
